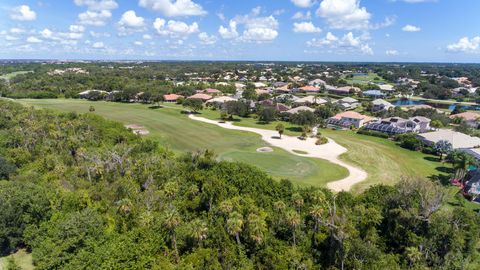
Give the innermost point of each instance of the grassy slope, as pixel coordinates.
(364, 79)
(175, 131)
(382, 159)
(10, 76)
(22, 259)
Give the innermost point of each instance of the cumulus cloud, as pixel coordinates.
(348, 43)
(344, 14)
(411, 28)
(466, 45)
(207, 39)
(23, 13)
(391, 52)
(33, 40)
(302, 16)
(97, 5)
(130, 19)
(77, 28)
(98, 45)
(94, 18)
(98, 11)
(138, 43)
(255, 27)
(174, 28)
(230, 31)
(305, 27)
(130, 23)
(174, 8)
(302, 3)
(147, 37)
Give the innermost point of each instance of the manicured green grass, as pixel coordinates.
(364, 79)
(21, 258)
(10, 76)
(383, 160)
(175, 131)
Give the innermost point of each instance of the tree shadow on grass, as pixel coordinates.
(443, 179)
(433, 159)
(154, 107)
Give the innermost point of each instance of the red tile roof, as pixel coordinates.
(172, 97)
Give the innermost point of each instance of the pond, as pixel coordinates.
(409, 102)
(360, 74)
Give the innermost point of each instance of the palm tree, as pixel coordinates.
(317, 213)
(198, 230)
(293, 220)
(172, 220)
(461, 161)
(234, 225)
(257, 227)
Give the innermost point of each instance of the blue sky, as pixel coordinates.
(291, 30)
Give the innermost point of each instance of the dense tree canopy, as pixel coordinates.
(89, 194)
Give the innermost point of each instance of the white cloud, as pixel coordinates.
(98, 45)
(348, 43)
(344, 14)
(46, 33)
(391, 52)
(15, 30)
(207, 39)
(302, 3)
(94, 18)
(256, 29)
(130, 23)
(174, 28)
(33, 40)
(147, 37)
(99, 34)
(411, 28)
(11, 38)
(130, 19)
(138, 43)
(174, 8)
(466, 45)
(77, 28)
(302, 16)
(230, 32)
(23, 13)
(97, 5)
(305, 27)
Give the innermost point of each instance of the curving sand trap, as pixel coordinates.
(329, 151)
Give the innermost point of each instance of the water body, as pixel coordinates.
(409, 102)
(360, 74)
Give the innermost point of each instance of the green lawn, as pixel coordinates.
(364, 79)
(383, 160)
(10, 76)
(21, 258)
(178, 133)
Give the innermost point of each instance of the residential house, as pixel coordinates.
(457, 139)
(202, 97)
(348, 103)
(398, 125)
(317, 82)
(386, 87)
(259, 85)
(345, 90)
(310, 100)
(471, 118)
(349, 119)
(220, 100)
(171, 97)
(309, 89)
(381, 105)
(374, 93)
(299, 109)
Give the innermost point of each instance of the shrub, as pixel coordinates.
(373, 133)
(321, 140)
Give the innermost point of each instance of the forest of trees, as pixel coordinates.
(81, 192)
